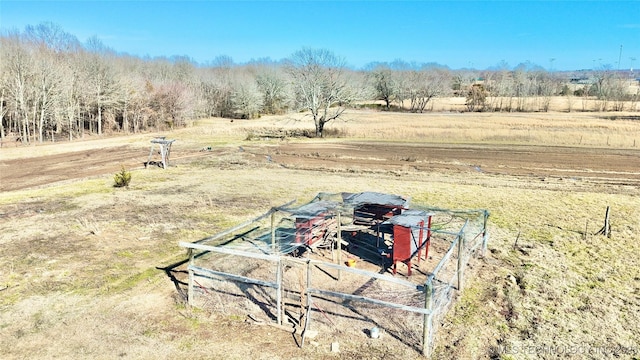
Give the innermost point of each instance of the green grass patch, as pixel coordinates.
(127, 254)
(127, 283)
(467, 306)
(80, 188)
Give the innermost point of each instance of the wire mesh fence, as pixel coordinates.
(326, 266)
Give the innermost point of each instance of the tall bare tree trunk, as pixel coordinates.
(35, 121)
(125, 121)
(41, 121)
(2, 135)
(99, 119)
(25, 130)
(70, 115)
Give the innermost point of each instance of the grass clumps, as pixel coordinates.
(122, 178)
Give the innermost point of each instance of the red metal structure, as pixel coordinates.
(410, 236)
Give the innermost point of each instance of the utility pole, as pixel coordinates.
(619, 57)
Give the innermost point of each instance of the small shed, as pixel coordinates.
(314, 222)
(372, 208)
(411, 234)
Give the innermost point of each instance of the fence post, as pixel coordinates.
(460, 266)
(485, 234)
(339, 237)
(273, 231)
(307, 318)
(190, 285)
(427, 318)
(279, 292)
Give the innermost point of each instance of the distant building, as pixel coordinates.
(583, 80)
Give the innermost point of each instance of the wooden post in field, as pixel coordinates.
(607, 226)
(190, 284)
(606, 229)
(515, 243)
(427, 318)
(339, 242)
(586, 229)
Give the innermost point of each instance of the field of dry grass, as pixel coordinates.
(550, 129)
(81, 261)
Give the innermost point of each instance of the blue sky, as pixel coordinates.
(561, 35)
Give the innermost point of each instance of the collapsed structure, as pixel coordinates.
(341, 246)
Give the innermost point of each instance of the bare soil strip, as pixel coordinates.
(615, 166)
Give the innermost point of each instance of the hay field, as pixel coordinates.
(81, 262)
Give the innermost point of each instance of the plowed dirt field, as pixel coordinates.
(602, 165)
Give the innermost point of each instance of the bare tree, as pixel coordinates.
(99, 77)
(246, 98)
(500, 85)
(476, 97)
(603, 86)
(426, 84)
(401, 70)
(633, 100)
(217, 88)
(3, 111)
(48, 41)
(521, 82)
(273, 86)
(618, 92)
(568, 94)
(17, 72)
(384, 83)
(548, 86)
(71, 93)
(50, 83)
(168, 105)
(462, 81)
(213, 95)
(319, 80)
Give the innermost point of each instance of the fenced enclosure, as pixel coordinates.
(317, 268)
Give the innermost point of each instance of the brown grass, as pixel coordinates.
(79, 261)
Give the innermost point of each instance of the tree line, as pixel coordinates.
(52, 87)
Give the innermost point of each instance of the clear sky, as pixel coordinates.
(557, 35)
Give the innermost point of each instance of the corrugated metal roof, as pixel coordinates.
(314, 208)
(375, 198)
(410, 218)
